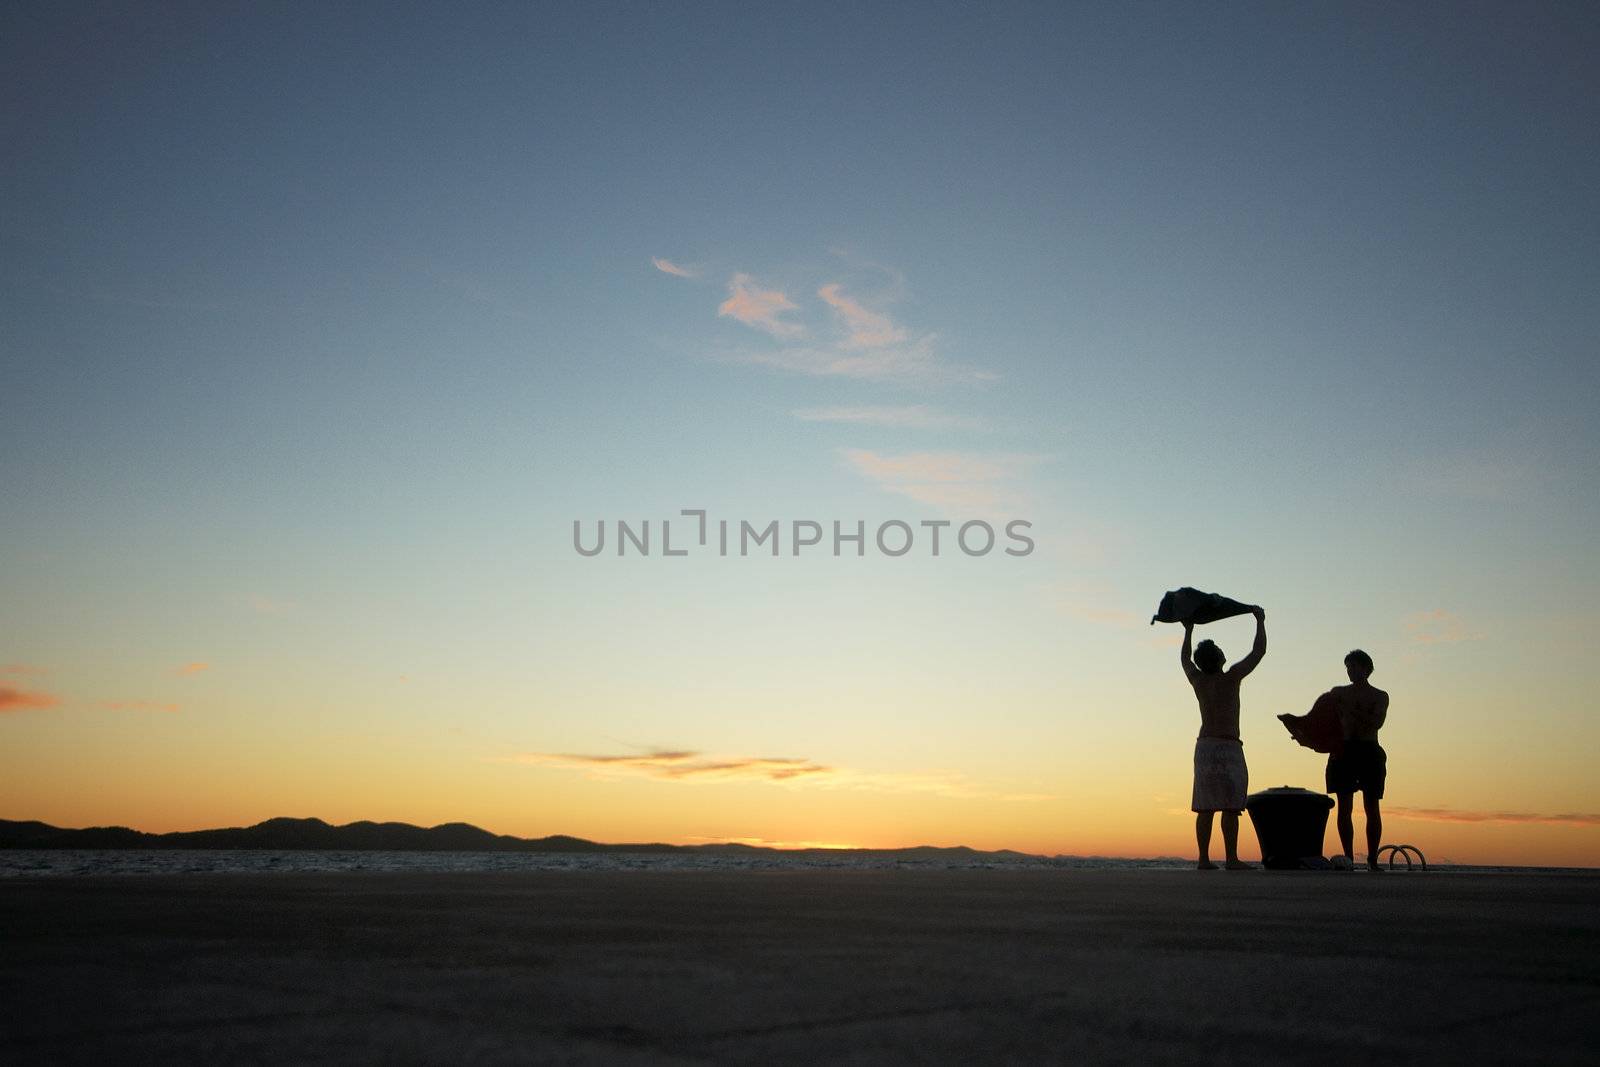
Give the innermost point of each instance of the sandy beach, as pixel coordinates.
(1136, 966)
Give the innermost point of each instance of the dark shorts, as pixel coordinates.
(1362, 766)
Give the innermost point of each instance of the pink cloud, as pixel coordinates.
(194, 668)
(23, 699)
(759, 308)
(867, 344)
(863, 328)
(914, 362)
(1579, 818)
(666, 266)
(684, 765)
(689, 766)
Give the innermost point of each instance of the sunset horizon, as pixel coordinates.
(442, 446)
(1181, 844)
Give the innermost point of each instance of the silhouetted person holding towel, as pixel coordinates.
(1221, 778)
(1361, 762)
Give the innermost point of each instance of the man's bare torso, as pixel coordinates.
(1218, 695)
(1362, 711)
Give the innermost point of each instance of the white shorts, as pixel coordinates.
(1221, 778)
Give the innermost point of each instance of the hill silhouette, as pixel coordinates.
(286, 834)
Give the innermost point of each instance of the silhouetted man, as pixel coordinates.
(1221, 778)
(1362, 764)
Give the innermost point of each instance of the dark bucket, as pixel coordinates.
(1290, 824)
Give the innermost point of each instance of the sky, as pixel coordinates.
(324, 325)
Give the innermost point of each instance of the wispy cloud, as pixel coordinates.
(864, 341)
(862, 328)
(666, 266)
(690, 766)
(683, 765)
(912, 362)
(1438, 627)
(26, 700)
(1570, 818)
(194, 668)
(910, 416)
(137, 705)
(956, 481)
(757, 307)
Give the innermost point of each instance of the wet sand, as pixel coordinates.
(1135, 966)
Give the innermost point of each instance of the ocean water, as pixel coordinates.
(26, 863)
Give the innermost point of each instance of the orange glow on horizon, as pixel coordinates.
(1444, 842)
(1082, 784)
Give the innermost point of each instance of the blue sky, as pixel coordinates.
(322, 325)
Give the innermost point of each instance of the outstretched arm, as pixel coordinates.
(1185, 655)
(1257, 650)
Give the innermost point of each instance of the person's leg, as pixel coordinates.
(1202, 837)
(1230, 841)
(1374, 810)
(1347, 827)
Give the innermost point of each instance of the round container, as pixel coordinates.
(1290, 823)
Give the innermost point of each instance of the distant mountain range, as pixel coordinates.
(314, 834)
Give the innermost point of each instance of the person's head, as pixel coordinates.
(1358, 665)
(1208, 657)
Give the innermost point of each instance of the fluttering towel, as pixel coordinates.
(1318, 729)
(1191, 605)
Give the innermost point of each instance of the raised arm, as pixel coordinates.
(1257, 650)
(1185, 655)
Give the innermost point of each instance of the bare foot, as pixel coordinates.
(1239, 865)
(1205, 865)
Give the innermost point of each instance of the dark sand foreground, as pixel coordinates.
(1136, 966)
